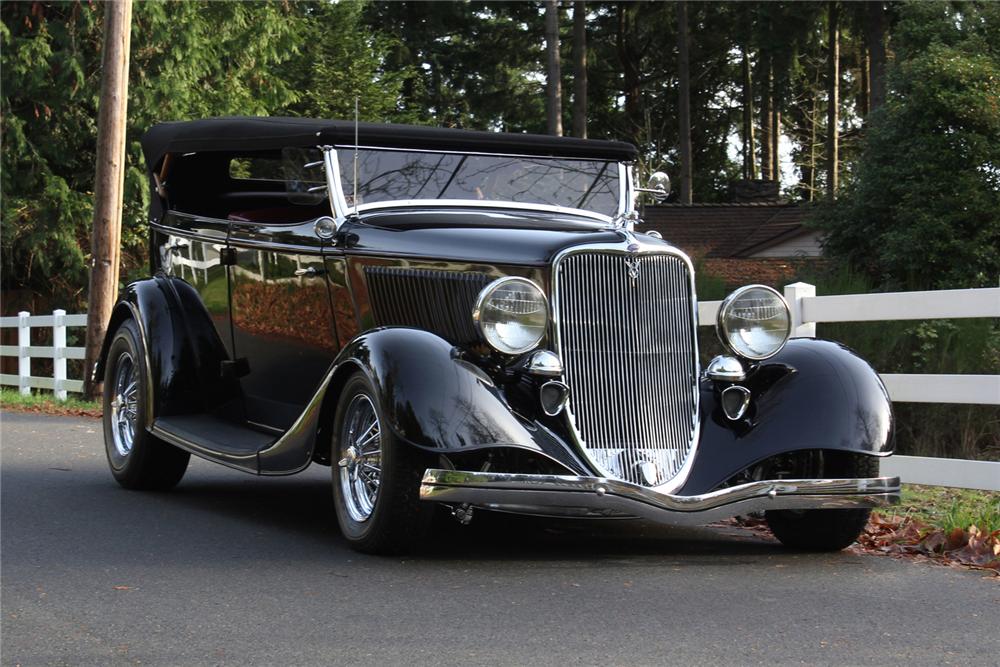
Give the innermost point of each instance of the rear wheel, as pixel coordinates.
(826, 530)
(138, 460)
(376, 478)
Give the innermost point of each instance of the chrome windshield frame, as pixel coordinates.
(342, 211)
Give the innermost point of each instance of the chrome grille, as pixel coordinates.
(626, 335)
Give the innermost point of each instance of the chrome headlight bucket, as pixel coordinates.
(511, 314)
(754, 322)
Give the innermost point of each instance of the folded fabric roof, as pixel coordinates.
(263, 133)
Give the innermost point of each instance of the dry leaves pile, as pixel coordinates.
(53, 408)
(906, 537)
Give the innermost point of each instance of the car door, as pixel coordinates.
(284, 331)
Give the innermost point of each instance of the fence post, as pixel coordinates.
(59, 352)
(23, 360)
(794, 294)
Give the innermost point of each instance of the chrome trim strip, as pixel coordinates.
(447, 152)
(600, 496)
(482, 204)
(184, 233)
(631, 245)
(338, 202)
(626, 199)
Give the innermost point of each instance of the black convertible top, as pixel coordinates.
(249, 133)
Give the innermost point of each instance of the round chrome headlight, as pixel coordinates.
(511, 314)
(754, 322)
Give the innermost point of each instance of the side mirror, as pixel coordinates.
(658, 186)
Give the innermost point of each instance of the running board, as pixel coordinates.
(214, 438)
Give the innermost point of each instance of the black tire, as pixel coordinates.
(397, 520)
(825, 530)
(143, 462)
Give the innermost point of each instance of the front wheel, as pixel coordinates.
(376, 478)
(138, 459)
(826, 530)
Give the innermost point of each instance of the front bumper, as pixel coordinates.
(565, 495)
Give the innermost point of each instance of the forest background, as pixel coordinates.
(882, 117)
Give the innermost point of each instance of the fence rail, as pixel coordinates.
(808, 309)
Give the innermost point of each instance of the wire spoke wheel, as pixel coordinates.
(124, 404)
(360, 458)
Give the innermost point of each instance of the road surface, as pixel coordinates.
(230, 569)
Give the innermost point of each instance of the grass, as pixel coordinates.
(946, 508)
(45, 401)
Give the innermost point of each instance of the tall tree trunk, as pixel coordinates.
(684, 104)
(865, 94)
(580, 69)
(875, 33)
(775, 141)
(553, 88)
(628, 59)
(833, 102)
(109, 183)
(766, 159)
(749, 150)
(814, 123)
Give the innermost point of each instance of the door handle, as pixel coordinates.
(309, 272)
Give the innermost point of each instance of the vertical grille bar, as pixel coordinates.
(626, 337)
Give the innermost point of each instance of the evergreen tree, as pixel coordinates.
(923, 210)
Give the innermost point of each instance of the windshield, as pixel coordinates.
(393, 175)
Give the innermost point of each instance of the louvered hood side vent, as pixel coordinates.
(436, 301)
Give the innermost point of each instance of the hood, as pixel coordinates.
(482, 235)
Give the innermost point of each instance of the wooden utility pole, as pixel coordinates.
(553, 87)
(684, 103)
(833, 102)
(580, 69)
(109, 182)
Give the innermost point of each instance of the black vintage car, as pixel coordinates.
(466, 320)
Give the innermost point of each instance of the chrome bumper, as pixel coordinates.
(565, 495)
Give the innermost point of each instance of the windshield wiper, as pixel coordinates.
(453, 175)
(593, 185)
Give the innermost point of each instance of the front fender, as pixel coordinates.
(814, 394)
(437, 401)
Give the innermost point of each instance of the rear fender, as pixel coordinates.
(182, 349)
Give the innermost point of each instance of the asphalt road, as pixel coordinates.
(237, 570)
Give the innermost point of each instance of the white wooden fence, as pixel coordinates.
(807, 310)
(58, 352)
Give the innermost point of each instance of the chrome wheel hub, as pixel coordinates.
(125, 404)
(360, 458)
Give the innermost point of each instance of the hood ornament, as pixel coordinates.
(632, 264)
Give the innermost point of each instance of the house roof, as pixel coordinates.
(237, 133)
(726, 230)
